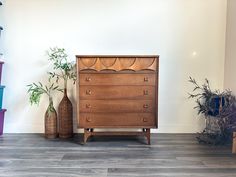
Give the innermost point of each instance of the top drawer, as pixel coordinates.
(116, 79)
(118, 62)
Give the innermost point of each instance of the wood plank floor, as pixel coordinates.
(170, 155)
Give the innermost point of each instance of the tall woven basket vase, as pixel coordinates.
(65, 115)
(51, 123)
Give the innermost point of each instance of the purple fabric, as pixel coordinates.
(2, 112)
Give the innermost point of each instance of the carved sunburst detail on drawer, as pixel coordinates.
(127, 62)
(108, 62)
(113, 63)
(88, 62)
(145, 63)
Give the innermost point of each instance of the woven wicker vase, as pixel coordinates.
(50, 120)
(65, 114)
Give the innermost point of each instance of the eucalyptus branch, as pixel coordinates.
(60, 62)
(36, 90)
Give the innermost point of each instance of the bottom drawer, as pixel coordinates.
(100, 120)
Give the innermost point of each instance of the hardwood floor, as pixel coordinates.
(170, 155)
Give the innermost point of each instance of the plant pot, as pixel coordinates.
(216, 103)
(65, 114)
(212, 125)
(2, 113)
(51, 122)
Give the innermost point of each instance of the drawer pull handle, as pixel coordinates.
(145, 92)
(88, 92)
(144, 119)
(145, 79)
(88, 119)
(88, 106)
(145, 106)
(88, 79)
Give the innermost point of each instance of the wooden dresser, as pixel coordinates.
(117, 92)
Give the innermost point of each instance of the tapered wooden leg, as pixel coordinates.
(86, 135)
(148, 135)
(234, 143)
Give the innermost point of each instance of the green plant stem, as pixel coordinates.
(65, 83)
(45, 91)
(50, 107)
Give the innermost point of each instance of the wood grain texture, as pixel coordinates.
(111, 90)
(116, 79)
(117, 63)
(169, 155)
(120, 120)
(117, 106)
(117, 92)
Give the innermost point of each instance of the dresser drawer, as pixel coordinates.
(116, 106)
(116, 79)
(117, 92)
(99, 120)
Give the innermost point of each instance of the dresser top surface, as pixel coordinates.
(117, 56)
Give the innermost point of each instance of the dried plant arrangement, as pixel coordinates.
(219, 110)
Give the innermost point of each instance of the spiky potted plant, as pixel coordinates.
(64, 70)
(218, 108)
(36, 90)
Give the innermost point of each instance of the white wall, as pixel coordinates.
(189, 36)
(230, 56)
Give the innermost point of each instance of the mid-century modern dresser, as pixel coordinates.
(117, 92)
